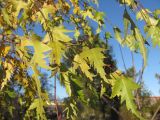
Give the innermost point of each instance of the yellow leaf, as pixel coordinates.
(19, 4)
(57, 43)
(83, 65)
(128, 2)
(40, 50)
(8, 72)
(6, 50)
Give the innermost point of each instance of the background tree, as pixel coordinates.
(93, 99)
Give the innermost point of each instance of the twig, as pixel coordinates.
(122, 57)
(141, 73)
(114, 109)
(59, 116)
(134, 68)
(134, 77)
(155, 113)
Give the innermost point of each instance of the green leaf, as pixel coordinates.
(153, 32)
(11, 108)
(6, 16)
(8, 73)
(59, 34)
(98, 30)
(117, 33)
(126, 23)
(77, 34)
(143, 14)
(35, 76)
(103, 89)
(131, 42)
(142, 47)
(87, 13)
(107, 35)
(80, 62)
(99, 16)
(40, 50)
(39, 53)
(134, 39)
(34, 104)
(44, 16)
(19, 4)
(71, 110)
(38, 105)
(124, 86)
(57, 41)
(67, 83)
(156, 13)
(11, 94)
(128, 2)
(95, 58)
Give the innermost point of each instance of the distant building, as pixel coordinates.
(154, 99)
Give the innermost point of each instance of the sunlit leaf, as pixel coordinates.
(124, 87)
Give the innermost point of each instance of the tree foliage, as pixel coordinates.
(70, 54)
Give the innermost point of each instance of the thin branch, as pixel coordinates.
(46, 21)
(153, 117)
(122, 57)
(141, 74)
(134, 77)
(134, 68)
(59, 116)
(139, 90)
(114, 109)
(141, 12)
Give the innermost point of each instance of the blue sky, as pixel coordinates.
(115, 13)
